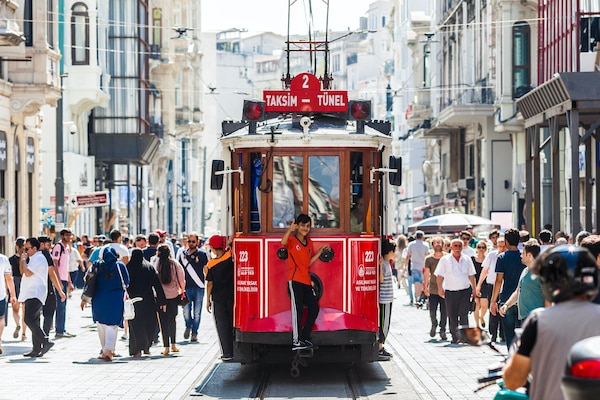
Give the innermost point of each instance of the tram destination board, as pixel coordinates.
(305, 95)
(95, 199)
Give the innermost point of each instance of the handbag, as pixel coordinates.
(128, 308)
(128, 303)
(182, 300)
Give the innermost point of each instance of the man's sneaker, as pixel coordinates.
(383, 352)
(443, 335)
(226, 358)
(47, 346)
(309, 344)
(381, 357)
(64, 335)
(194, 338)
(186, 333)
(300, 345)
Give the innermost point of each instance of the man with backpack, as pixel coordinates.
(60, 254)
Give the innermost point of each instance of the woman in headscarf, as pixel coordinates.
(107, 302)
(172, 279)
(143, 283)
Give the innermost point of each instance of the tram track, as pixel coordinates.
(271, 383)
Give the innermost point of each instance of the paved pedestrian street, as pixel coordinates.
(436, 370)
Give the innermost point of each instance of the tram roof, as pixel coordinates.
(324, 130)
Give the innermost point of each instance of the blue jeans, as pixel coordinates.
(193, 310)
(409, 284)
(61, 310)
(509, 323)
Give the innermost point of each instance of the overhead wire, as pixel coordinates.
(103, 23)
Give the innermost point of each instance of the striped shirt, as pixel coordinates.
(386, 287)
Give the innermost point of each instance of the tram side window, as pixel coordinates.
(287, 189)
(324, 191)
(257, 176)
(357, 217)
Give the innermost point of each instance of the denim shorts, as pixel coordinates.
(417, 276)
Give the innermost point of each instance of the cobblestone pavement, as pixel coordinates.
(436, 370)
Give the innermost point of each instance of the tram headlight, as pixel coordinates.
(359, 110)
(253, 110)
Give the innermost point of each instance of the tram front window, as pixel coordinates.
(287, 189)
(324, 191)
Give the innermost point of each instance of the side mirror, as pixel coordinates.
(395, 177)
(216, 180)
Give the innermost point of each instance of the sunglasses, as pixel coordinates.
(27, 248)
(482, 247)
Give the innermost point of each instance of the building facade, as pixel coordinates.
(29, 79)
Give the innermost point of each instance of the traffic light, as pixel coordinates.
(359, 110)
(253, 110)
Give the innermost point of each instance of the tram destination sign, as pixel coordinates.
(95, 199)
(305, 95)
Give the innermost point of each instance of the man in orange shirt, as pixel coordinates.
(301, 256)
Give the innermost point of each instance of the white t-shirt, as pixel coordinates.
(5, 269)
(36, 285)
(469, 251)
(121, 250)
(489, 262)
(74, 257)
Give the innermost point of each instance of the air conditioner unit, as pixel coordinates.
(466, 184)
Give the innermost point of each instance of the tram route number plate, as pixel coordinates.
(305, 95)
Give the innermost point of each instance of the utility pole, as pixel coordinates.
(60, 181)
(203, 190)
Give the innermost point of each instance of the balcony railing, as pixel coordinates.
(479, 94)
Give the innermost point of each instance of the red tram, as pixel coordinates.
(306, 150)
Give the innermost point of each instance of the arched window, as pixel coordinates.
(521, 72)
(80, 35)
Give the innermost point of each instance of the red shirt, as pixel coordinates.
(299, 256)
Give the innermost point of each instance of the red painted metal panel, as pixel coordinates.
(558, 37)
(363, 278)
(350, 286)
(247, 257)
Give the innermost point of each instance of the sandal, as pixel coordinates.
(174, 349)
(165, 352)
(16, 332)
(23, 337)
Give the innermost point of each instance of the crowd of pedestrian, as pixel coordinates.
(483, 281)
(158, 272)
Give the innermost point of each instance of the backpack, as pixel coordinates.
(90, 279)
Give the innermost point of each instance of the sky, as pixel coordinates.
(272, 15)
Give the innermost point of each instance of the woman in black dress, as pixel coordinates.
(481, 303)
(144, 283)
